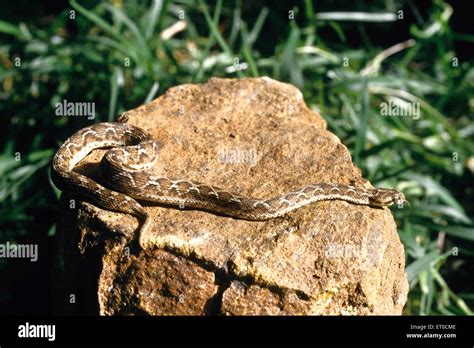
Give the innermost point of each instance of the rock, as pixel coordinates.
(254, 136)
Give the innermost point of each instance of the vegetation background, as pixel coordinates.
(55, 51)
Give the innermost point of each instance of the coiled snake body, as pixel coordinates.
(124, 170)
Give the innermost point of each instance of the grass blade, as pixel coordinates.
(152, 92)
(436, 189)
(356, 16)
(155, 11)
(422, 264)
(113, 94)
(362, 127)
(142, 48)
(252, 37)
(97, 20)
(213, 27)
(460, 232)
(10, 29)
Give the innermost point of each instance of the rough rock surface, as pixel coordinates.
(257, 137)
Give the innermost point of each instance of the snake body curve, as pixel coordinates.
(133, 151)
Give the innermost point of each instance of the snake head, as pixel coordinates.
(386, 197)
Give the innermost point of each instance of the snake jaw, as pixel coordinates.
(400, 199)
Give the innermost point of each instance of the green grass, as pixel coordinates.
(112, 54)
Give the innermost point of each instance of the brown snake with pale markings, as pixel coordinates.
(133, 151)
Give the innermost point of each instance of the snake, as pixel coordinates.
(126, 181)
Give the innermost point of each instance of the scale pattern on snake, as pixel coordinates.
(124, 170)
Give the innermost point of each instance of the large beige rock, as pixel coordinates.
(257, 137)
